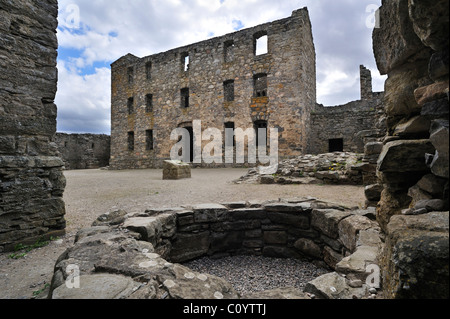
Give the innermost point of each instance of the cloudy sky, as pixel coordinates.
(93, 34)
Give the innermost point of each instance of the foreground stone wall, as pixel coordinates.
(412, 48)
(84, 151)
(225, 82)
(138, 251)
(31, 178)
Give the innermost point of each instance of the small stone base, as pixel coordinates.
(174, 170)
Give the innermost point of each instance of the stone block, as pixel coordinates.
(206, 213)
(275, 237)
(149, 228)
(308, 247)
(438, 66)
(404, 156)
(439, 137)
(296, 221)
(190, 246)
(174, 170)
(432, 184)
(416, 127)
(98, 286)
(356, 264)
(415, 257)
(373, 192)
(349, 229)
(435, 109)
(327, 221)
(334, 286)
(395, 41)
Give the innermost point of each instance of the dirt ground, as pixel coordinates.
(90, 193)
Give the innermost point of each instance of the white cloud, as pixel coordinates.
(102, 31)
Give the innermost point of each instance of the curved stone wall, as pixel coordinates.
(143, 247)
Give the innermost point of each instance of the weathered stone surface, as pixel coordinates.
(174, 170)
(439, 65)
(190, 246)
(99, 286)
(356, 264)
(149, 228)
(436, 109)
(275, 237)
(209, 212)
(439, 138)
(267, 179)
(430, 22)
(308, 247)
(395, 41)
(416, 255)
(404, 156)
(432, 185)
(327, 221)
(31, 182)
(373, 192)
(349, 229)
(84, 151)
(331, 257)
(416, 127)
(112, 218)
(431, 92)
(333, 286)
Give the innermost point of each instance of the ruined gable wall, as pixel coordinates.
(356, 123)
(31, 179)
(84, 151)
(290, 69)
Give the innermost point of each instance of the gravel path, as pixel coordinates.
(91, 193)
(249, 274)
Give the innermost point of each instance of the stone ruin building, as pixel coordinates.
(226, 82)
(84, 151)
(408, 237)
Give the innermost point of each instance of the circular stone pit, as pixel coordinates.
(251, 274)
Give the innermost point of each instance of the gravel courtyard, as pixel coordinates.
(90, 193)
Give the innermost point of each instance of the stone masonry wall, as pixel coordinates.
(149, 94)
(84, 151)
(412, 48)
(31, 178)
(353, 122)
(138, 252)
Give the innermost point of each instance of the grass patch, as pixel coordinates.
(20, 251)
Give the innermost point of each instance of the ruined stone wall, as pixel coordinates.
(84, 151)
(149, 94)
(411, 47)
(353, 123)
(31, 178)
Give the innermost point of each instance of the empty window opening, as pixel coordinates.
(131, 141)
(261, 43)
(260, 85)
(149, 140)
(148, 70)
(130, 105)
(229, 51)
(261, 132)
(149, 103)
(228, 88)
(185, 60)
(336, 145)
(230, 139)
(92, 145)
(130, 75)
(184, 97)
